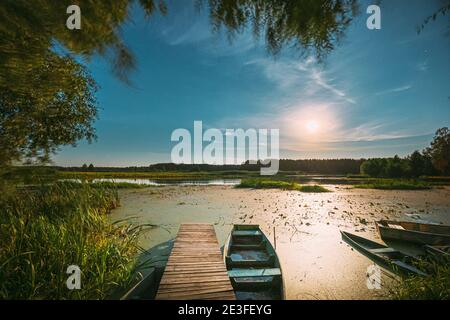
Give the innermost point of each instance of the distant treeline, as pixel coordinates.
(311, 166)
(415, 165)
(324, 166)
(434, 160)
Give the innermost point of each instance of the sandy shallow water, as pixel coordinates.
(316, 263)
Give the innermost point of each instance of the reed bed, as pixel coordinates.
(395, 184)
(436, 286)
(278, 184)
(44, 229)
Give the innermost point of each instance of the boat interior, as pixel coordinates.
(252, 265)
(373, 248)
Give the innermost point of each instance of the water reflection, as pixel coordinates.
(150, 182)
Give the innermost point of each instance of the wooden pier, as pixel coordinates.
(195, 269)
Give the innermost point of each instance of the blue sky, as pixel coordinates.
(380, 93)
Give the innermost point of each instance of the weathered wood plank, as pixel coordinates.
(195, 269)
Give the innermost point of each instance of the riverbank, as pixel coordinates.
(315, 262)
(47, 228)
(253, 179)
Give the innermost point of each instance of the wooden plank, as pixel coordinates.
(184, 269)
(195, 288)
(185, 279)
(195, 269)
(199, 294)
(190, 271)
(192, 285)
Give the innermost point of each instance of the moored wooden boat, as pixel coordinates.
(421, 233)
(152, 262)
(384, 256)
(253, 265)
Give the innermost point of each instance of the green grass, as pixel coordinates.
(45, 229)
(392, 184)
(313, 189)
(118, 185)
(156, 175)
(434, 287)
(277, 184)
(357, 176)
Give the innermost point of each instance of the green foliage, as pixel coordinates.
(417, 163)
(313, 189)
(374, 167)
(168, 175)
(439, 151)
(442, 11)
(29, 30)
(58, 108)
(45, 229)
(118, 185)
(276, 184)
(26, 175)
(46, 96)
(287, 166)
(312, 26)
(266, 184)
(435, 158)
(434, 287)
(386, 167)
(322, 166)
(394, 184)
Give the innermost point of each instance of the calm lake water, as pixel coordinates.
(150, 182)
(316, 263)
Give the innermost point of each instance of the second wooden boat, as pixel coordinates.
(384, 256)
(253, 265)
(421, 233)
(152, 264)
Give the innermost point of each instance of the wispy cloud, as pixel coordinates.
(179, 29)
(394, 90)
(304, 76)
(319, 79)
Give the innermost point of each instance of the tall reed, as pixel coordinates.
(46, 228)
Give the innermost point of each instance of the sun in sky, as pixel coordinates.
(312, 126)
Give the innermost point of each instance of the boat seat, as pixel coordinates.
(256, 246)
(249, 263)
(247, 273)
(253, 284)
(246, 233)
(383, 250)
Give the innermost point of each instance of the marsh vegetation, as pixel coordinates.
(45, 229)
(434, 287)
(395, 184)
(277, 184)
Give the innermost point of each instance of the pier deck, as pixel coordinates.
(195, 269)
